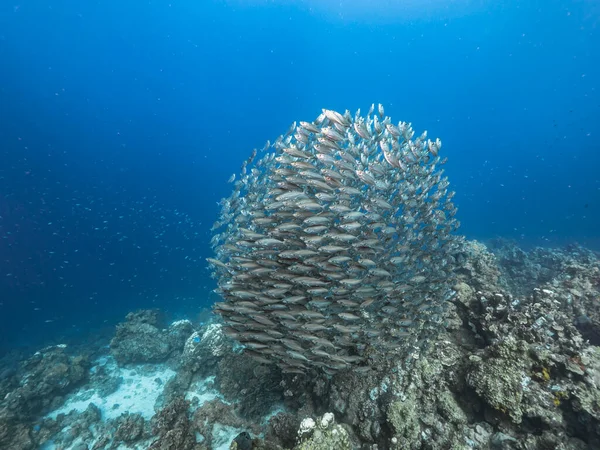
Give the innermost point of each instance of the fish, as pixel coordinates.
(336, 117)
(332, 134)
(338, 237)
(309, 127)
(315, 327)
(349, 316)
(297, 355)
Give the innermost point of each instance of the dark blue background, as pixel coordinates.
(120, 123)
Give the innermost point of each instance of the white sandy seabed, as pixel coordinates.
(140, 388)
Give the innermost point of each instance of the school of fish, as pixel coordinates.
(338, 240)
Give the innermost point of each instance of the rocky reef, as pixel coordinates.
(38, 384)
(143, 338)
(516, 365)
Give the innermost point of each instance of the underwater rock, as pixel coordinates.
(178, 333)
(283, 429)
(450, 409)
(503, 441)
(80, 446)
(204, 349)
(130, 428)
(39, 383)
(403, 417)
(73, 429)
(173, 428)
(175, 387)
(104, 380)
(589, 329)
(216, 414)
(355, 399)
(48, 374)
(323, 434)
(256, 389)
(478, 267)
(242, 441)
(499, 377)
(585, 398)
(153, 317)
(521, 270)
(15, 436)
(140, 339)
(200, 353)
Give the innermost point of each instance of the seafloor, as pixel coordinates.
(516, 367)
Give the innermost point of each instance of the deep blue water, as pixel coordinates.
(120, 123)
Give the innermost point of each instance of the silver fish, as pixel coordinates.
(337, 237)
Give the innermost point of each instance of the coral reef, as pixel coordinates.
(130, 428)
(216, 414)
(40, 383)
(510, 369)
(254, 388)
(203, 350)
(140, 339)
(282, 430)
(322, 433)
(173, 427)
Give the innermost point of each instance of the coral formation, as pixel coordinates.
(323, 433)
(173, 427)
(509, 369)
(140, 339)
(39, 384)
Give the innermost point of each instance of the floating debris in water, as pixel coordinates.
(338, 239)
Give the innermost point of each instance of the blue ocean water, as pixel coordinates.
(120, 124)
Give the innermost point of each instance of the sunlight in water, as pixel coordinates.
(377, 10)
